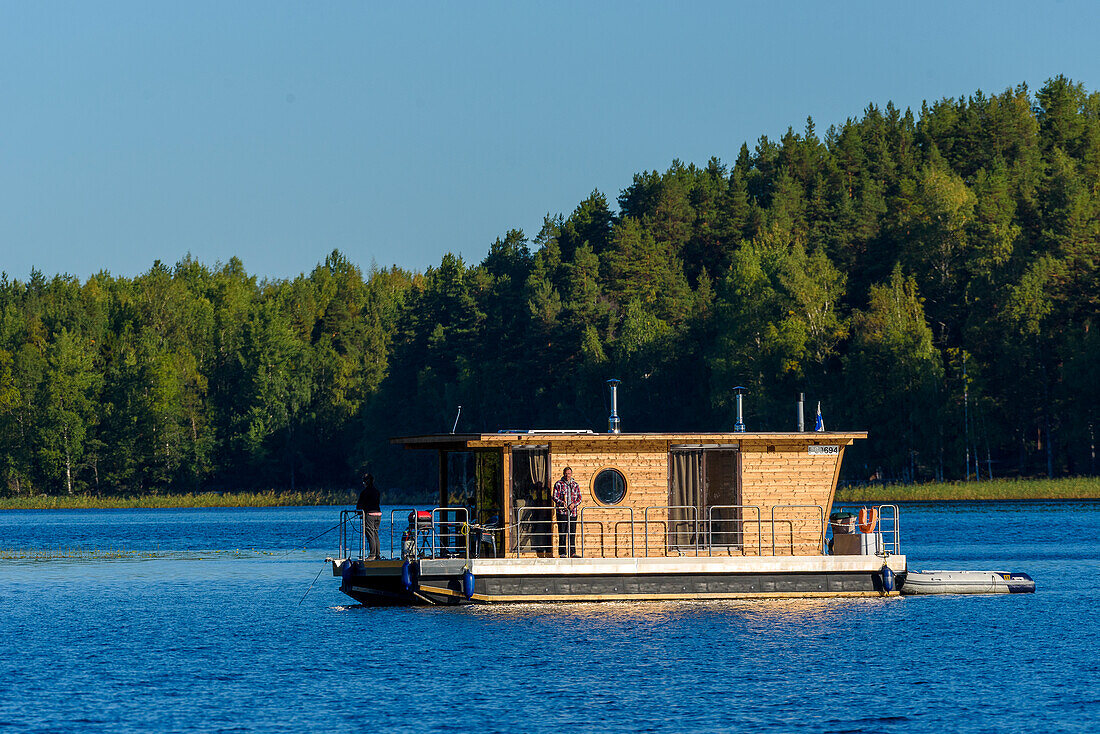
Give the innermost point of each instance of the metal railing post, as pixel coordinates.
(894, 527)
(345, 516)
(343, 533)
(461, 514)
(821, 525)
(581, 522)
(738, 527)
(535, 529)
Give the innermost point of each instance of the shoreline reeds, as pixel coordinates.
(265, 498)
(1071, 488)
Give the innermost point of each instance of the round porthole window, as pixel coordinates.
(609, 486)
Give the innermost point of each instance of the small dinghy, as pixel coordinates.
(967, 582)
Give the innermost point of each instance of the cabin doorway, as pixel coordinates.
(704, 497)
(531, 506)
(472, 481)
(722, 493)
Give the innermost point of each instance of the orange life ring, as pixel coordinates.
(867, 519)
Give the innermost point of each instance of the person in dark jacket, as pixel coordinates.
(368, 502)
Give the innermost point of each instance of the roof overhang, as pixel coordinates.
(449, 441)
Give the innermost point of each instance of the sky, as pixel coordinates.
(132, 132)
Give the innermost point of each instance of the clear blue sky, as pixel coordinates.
(276, 132)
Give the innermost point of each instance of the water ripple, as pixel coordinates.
(193, 639)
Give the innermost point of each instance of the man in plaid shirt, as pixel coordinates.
(567, 498)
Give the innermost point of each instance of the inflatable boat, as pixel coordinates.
(967, 582)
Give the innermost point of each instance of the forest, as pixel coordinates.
(929, 277)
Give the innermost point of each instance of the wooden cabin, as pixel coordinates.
(644, 495)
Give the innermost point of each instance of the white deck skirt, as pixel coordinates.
(684, 564)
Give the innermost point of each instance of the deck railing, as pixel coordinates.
(349, 525)
(451, 533)
(795, 533)
(679, 534)
(535, 530)
(662, 531)
(891, 532)
(887, 525)
(734, 528)
(674, 530)
(612, 531)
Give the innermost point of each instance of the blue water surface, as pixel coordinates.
(194, 620)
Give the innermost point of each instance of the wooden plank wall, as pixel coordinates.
(784, 473)
(607, 530)
(772, 474)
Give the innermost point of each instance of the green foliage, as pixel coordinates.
(891, 340)
(777, 323)
(67, 407)
(9, 393)
(929, 277)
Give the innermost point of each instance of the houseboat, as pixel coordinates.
(661, 516)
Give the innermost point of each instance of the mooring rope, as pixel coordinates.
(311, 585)
(310, 540)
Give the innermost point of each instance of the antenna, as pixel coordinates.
(455, 426)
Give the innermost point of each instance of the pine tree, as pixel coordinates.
(893, 374)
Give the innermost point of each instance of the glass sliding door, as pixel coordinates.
(490, 487)
(460, 489)
(704, 494)
(722, 497)
(473, 481)
(685, 494)
(489, 537)
(531, 504)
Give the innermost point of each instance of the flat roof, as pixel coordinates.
(481, 440)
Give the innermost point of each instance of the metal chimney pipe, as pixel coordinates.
(613, 420)
(801, 413)
(739, 426)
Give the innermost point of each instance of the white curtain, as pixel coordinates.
(529, 490)
(685, 489)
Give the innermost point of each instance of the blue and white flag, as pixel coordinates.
(820, 424)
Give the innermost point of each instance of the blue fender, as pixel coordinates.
(467, 583)
(345, 575)
(410, 575)
(887, 579)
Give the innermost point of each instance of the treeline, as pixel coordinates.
(930, 278)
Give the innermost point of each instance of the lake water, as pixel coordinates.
(199, 624)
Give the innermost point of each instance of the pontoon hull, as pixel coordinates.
(385, 583)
